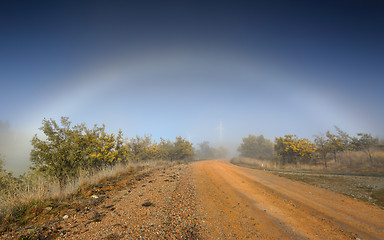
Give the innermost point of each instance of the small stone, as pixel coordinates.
(147, 204)
(94, 196)
(48, 209)
(65, 217)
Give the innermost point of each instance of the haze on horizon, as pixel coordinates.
(206, 70)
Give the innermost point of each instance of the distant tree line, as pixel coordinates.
(206, 151)
(290, 149)
(67, 150)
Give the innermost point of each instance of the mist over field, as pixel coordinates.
(14, 148)
(212, 71)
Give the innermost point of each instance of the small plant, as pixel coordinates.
(17, 212)
(26, 237)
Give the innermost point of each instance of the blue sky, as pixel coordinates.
(171, 68)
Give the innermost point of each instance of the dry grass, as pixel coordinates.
(359, 162)
(347, 162)
(32, 197)
(15, 201)
(255, 162)
(271, 164)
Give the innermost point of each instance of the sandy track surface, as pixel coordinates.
(242, 203)
(160, 205)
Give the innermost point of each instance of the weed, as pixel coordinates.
(26, 237)
(17, 212)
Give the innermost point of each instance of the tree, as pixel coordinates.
(335, 144)
(104, 149)
(59, 155)
(220, 152)
(323, 148)
(1, 163)
(165, 149)
(205, 151)
(256, 147)
(183, 150)
(346, 140)
(366, 142)
(294, 150)
(93, 146)
(142, 148)
(68, 149)
(121, 147)
(2, 173)
(7, 180)
(283, 150)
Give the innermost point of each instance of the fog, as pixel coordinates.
(14, 147)
(220, 97)
(214, 71)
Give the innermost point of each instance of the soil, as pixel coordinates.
(206, 200)
(358, 187)
(243, 203)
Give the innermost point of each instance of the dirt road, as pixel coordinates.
(204, 200)
(242, 203)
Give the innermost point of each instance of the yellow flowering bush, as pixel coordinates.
(294, 150)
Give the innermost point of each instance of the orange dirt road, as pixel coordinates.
(242, 203)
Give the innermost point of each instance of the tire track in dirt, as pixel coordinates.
(339, 208)
(247, 203)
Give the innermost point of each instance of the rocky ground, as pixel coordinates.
(151, 205)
